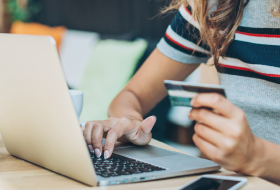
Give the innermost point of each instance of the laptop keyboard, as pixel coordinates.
(118, 165)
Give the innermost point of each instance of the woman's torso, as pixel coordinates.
(251, 70)
(251, 73)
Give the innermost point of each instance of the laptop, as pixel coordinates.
(38, 123)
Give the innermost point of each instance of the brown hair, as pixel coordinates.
(274, 10)
(218, 21)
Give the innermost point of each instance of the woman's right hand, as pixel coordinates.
(117, 128)
(143, 92)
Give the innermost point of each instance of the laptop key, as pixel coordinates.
(131, 170)
(136, 162)
(157, 169)
(145, 170)
(113, 169)
(108, 172)
(123, 172)
(105, 175)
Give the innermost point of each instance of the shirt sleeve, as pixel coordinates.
(180, 41)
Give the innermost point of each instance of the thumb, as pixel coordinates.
(144, 134)
(147, 124)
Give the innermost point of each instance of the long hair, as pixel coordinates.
(218, 21)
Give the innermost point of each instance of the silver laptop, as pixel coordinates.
(38, 123)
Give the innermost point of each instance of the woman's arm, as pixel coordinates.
(147, 84)
(269, 161)
(141, 94)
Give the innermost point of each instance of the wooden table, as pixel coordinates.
(19, 174)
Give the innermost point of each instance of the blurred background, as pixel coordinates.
(102, 43)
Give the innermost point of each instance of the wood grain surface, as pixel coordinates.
(19, 174)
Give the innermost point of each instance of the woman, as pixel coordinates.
(243, 133)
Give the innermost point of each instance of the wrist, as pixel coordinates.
(257, 158)
(129, 114)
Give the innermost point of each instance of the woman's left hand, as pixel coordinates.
(224, 134)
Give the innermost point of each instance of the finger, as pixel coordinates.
(209, 118)
(207, 148)
(145, 130)
(147, 124)
(208, 134)
(96, 138)
(143, 135)
(217, 102)
(93, 134)
(99, 130)
(83, 129)
(87, 132)
(112, 136)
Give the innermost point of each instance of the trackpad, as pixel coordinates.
(144, 152)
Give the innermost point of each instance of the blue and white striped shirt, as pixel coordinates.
(250, 72)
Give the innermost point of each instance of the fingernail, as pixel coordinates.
(106, 154)
(90, 148)
(97, 152)
(192, 101)
(189, 115)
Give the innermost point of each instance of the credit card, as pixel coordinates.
(181, 93)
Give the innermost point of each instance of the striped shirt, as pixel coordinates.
(250, 72)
